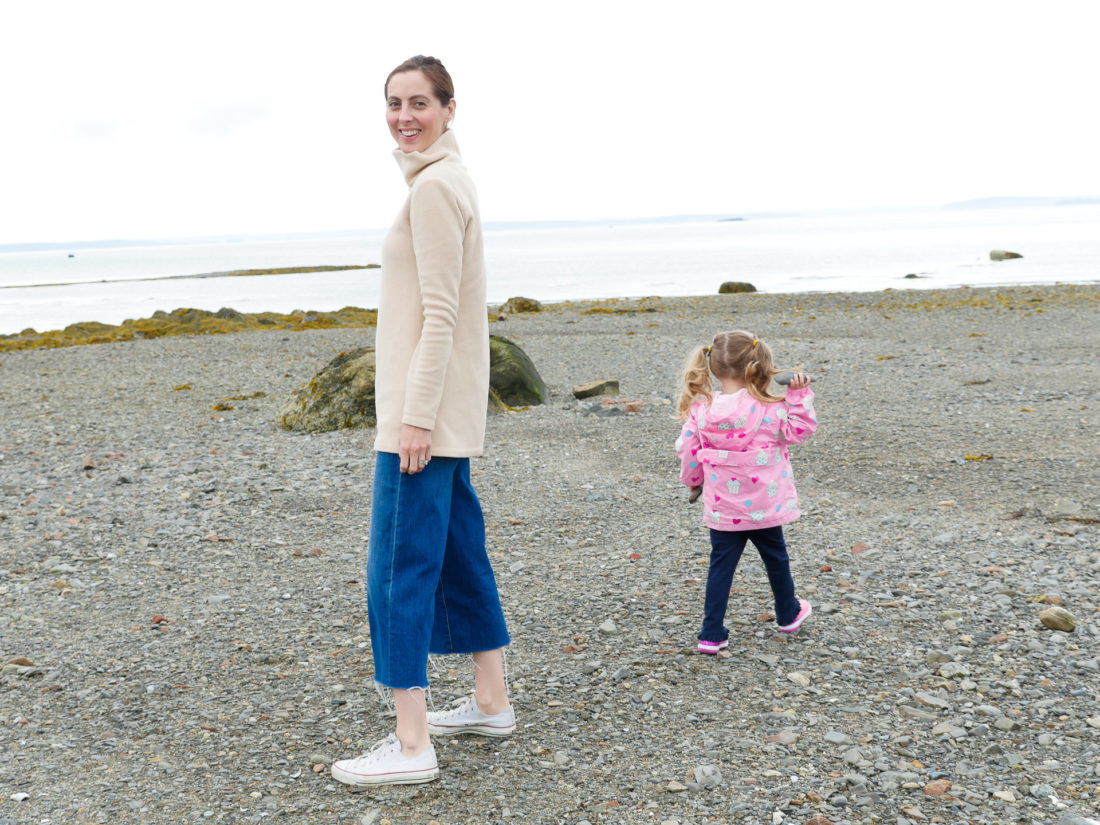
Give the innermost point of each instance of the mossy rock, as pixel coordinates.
(513, 379)
(339, 397)
(735, 286)
(519, 304)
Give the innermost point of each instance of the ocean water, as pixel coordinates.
(51, 288)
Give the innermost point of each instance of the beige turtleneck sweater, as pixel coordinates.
(432, 343)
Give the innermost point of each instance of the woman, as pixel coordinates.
(430, 587)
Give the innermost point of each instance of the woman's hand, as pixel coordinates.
(800, 381)
(414, 446)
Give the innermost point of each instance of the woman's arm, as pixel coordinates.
(438, 225)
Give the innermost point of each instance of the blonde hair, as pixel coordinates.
(734, 354)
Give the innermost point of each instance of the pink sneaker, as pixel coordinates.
(804, 610)
(711, 648)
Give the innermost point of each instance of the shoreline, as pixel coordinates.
(186, 580)
(189, 321)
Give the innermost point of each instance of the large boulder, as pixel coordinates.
(735, 286)
(521, 304)
(339, 397)
(513, 379)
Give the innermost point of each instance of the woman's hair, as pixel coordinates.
(442, 86)
(730, 355)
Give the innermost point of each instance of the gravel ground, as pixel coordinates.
(182, 601)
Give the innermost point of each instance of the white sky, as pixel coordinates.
(157, 119)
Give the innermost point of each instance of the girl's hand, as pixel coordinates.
(414, 446)
(800, 381)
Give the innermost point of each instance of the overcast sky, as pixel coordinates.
(157, 119)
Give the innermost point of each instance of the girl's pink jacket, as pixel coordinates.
(736, 447)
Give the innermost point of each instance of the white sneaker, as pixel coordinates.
(385, 764)
(468, 718)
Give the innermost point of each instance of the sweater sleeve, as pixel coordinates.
(438, 225)
(800, 421)
(687, 446)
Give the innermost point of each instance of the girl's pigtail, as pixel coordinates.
(697, 383)
(758, 379)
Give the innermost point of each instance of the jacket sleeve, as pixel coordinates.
(687, 447)
(438, 225)
(800, 419)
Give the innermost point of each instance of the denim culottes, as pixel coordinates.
(430, 587)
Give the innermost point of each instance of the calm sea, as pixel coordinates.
(49, 289)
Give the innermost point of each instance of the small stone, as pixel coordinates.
(1093, 721)
(938, 788)
(835, 737)
(932, 701)
(1003, 255)
(709, 776)
(917, 713)
(799, 678)
(675, 787)
(1004, 723)
(608, 626)
(1041, 791)
(1004, 796)
(608, 386)
(1058, 618)
(784, 737)
(954, 670)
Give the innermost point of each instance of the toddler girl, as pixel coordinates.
(734, 445)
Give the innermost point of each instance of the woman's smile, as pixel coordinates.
(414, 114)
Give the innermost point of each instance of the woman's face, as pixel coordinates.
(415, 116)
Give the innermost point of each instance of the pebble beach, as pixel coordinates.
(183, 627)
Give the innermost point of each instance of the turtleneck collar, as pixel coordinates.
(413, 163)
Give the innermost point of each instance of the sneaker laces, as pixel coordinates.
(378, 748)
(467, 705)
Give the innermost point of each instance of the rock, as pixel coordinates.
(1004, 796)
(339, 397)
(608, 626)
(1003, 255)
(799, 678)
(730, 287)
(1062, 508)
(592, 388)
(818, 820)
(918, 713)
(954, 670)
(938, 787)
(835, 737)
(784, 737)
(513, 379)
(709, 776)
(675, 787)
(520, 304)
(1058, 618)
(1070, 818)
